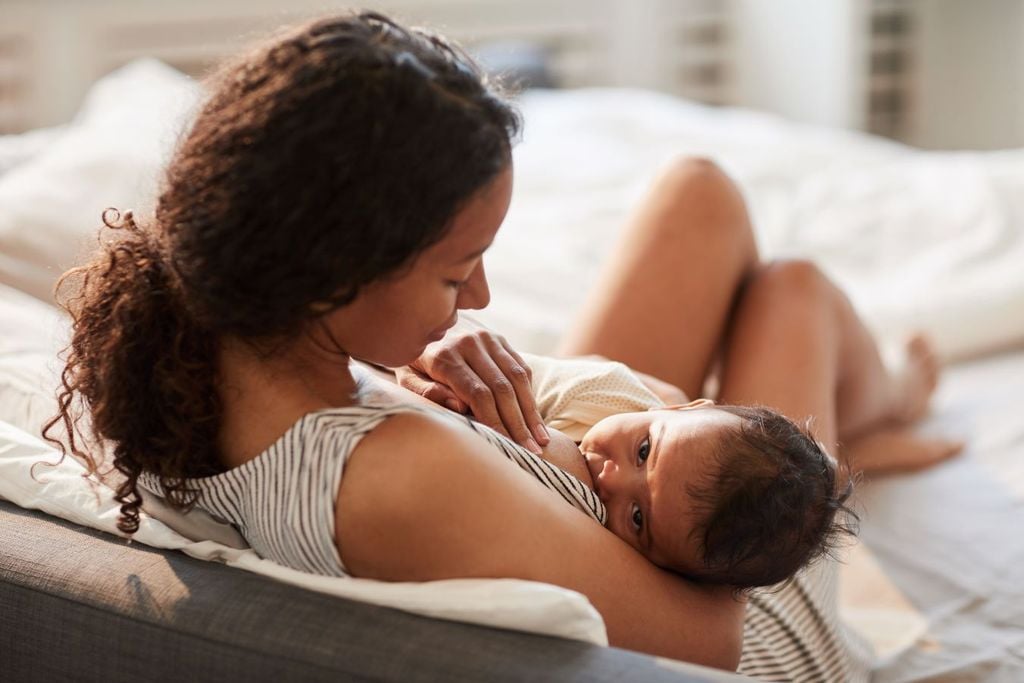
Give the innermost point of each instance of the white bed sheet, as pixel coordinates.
(951, 539)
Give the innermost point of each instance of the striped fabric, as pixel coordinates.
(793, 633)
(282, 501)
(574, 491)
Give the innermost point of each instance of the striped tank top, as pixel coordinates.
(283, 500)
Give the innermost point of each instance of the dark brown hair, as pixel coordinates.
(773, 504)
(321, 161)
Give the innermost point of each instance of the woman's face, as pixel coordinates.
(392, 320)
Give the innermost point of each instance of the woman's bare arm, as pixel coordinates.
(461, 513)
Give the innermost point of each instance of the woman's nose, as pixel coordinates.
(475, 294)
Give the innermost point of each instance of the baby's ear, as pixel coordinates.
(699, 403)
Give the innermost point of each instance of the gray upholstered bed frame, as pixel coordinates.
(77, 604)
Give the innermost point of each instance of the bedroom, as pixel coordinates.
(939, 559)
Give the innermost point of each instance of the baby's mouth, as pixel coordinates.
(595, 463)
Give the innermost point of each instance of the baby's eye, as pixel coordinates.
(644, 451)
(637, 519)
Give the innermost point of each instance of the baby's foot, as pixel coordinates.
(898, 449)
(914, 381)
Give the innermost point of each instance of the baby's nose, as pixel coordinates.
(610, 481)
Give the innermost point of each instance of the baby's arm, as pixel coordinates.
(669, 393)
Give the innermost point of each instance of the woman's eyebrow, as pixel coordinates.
(475, 254)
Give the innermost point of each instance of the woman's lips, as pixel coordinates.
(438, 334)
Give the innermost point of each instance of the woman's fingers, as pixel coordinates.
(418, 383)
(497, 389)
(492, 397)
(480, 370)
(519, 372)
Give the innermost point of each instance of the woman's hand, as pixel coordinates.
(473, 370)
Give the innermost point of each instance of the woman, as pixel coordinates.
(332, 202)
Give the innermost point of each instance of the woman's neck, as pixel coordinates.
(262, 397)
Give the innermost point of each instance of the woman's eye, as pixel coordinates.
(456, 284)
(637, 519)
(644, 451)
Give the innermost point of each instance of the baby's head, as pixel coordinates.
(723, 494)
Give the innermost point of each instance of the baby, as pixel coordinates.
(722, 494)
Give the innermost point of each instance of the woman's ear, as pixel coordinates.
(699, 403)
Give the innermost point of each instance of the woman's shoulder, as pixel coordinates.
(362, 416)
(401, 478)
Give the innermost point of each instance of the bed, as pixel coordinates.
(931, 241)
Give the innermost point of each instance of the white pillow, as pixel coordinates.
(29, 368)
(111, 155)
(29, 376)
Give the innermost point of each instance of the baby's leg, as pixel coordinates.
(663, 301)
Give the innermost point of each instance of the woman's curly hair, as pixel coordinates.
(321, 161)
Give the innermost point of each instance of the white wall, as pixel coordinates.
(969, 63)
(66, 44)
(804, 59)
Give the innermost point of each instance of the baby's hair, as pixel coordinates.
(772, 505)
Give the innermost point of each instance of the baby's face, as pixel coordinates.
(642, 465)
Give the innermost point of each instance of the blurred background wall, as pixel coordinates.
(933, 73)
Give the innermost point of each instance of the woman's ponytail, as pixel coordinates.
(140, 366)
